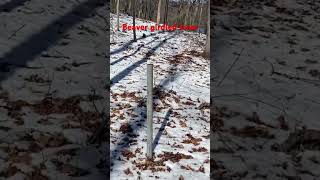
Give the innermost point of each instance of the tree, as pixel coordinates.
(150, 9)
(134, 20)
(159, 12)
(194, 19)
(130, 3)
(167, 11)
(118, 24)
(207, 48)
(186, 15)
(200, 17)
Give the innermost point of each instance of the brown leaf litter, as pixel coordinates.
(180, 59)
(126, 128)
(159, 165)
(192, 140)
(128, 154)
(252, 132)
(199, 149)
(306, 138)
(69, 169)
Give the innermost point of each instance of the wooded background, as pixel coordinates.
(181, 12)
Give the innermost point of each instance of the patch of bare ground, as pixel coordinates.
(36, 174)
(156, 165)
(252, 132)
(128, 154)
(126, 128)
(199, 149)
(42, 140)
(9, 171)
(36, 79)
(192, 140)
(309, 139)
(69, 169)
(194, 53)
(127, 171)
(180, 59)
(188, 167)
(88, 119)
(217, 114)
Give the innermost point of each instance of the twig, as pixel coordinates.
(227, 95)
(311, 81)
(99, 132)
(231, 66)
(230, 149)
(49, 88)
(16, 31)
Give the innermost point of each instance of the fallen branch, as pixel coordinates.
(16, 31)
(231, 66)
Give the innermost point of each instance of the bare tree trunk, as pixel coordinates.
(200, 18)
(139, 13)
(159, 12)
(200, 14)
(179, 19)
(150, 14)
(130, 11)
(195, 16)
(207, 49)
(186, 14)
(134, 20)
(146, 9)
(118, 23)
(165, 12)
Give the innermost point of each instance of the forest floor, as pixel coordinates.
(181, 104)
(52, 71)
(266, 90)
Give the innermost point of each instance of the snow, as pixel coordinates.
(183, 78)
(273, 78)
(51, 52)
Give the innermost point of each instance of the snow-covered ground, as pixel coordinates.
(52, 56)
(266, 122)
(181, 104)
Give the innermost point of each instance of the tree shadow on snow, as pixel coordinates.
(125, 46)
(41, 41)
(47, 37)
(125, 72)
(127, 56)
(161, 129)
(140, 109)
